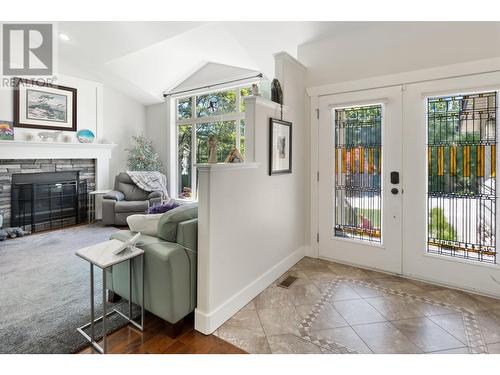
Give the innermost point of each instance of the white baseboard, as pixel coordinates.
(207, 323)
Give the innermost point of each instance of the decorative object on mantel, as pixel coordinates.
(234, 156)
(67, 138)
(6, 132)
(45, 136)
(280, 147)
(255, 89)
(277, 94)
(41, 105)
(212, 149)
(85, 136)
(142, 157)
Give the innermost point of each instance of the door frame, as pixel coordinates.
(417, 76)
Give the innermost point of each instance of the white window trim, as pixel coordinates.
(194, 120)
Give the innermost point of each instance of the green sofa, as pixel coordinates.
(170, 266)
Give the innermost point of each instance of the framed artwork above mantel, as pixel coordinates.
(41, 105)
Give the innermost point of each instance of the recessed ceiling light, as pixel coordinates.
(64, 37)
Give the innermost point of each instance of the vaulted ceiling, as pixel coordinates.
(144, 59)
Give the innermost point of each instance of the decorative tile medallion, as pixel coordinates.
(475, 341)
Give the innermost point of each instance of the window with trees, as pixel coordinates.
(220, 114)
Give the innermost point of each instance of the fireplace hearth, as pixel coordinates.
(48, 200)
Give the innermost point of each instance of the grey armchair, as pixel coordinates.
(126, 199)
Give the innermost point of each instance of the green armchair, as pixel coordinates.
(170, 266)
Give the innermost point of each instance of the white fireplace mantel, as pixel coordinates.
(57, 150)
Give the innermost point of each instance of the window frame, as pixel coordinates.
(194, 120)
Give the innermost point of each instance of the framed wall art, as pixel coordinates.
(41, 105)
(280, 147)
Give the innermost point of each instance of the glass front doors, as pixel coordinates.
(359, 204)
(408, 180)
(450, 148)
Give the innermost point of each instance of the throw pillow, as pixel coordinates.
(145, 224)
(167, 226)
(162, 208)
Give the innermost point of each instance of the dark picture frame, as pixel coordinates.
(280, 147)
(65, 116)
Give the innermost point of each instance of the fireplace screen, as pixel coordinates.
(43, 201)
(461, 193)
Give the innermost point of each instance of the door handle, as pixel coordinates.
(394, 191)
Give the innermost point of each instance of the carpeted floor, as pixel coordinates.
(44, 290)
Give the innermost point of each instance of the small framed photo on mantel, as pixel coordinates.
(280, 147)
(41, 105)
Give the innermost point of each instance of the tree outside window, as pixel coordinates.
(221, 114)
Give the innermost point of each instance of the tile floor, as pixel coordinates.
(334, 308)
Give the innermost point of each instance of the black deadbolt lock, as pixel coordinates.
(394, 191)
(394, 177)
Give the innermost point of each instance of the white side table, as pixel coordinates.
(91, 204)
(101, 255)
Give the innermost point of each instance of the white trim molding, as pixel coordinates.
(208, 322)
(52, 150)
(225, 166)
(442, 72)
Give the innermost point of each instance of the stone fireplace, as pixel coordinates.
(23, 157)
(45, 189)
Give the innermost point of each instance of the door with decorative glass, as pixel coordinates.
(360, 178)
(450, 159)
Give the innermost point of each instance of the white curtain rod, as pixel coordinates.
(260, 75)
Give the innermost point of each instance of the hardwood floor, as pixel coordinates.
(154, 340)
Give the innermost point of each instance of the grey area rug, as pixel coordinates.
(45, 291)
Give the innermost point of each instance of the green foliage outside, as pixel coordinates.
(359, 126)
(184, 108)
(211, 106)
(443, 129)
(224, 133)
(216, 103)
(141, 156)
(439, 226)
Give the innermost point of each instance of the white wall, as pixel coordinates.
(111, 115)
(251, 225)
(157, 129)
(392, 47)
(123, 118)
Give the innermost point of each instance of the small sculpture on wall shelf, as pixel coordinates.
(234, 156)
(212, 149)
(255, 89)
(45, 136)
(276, 92)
